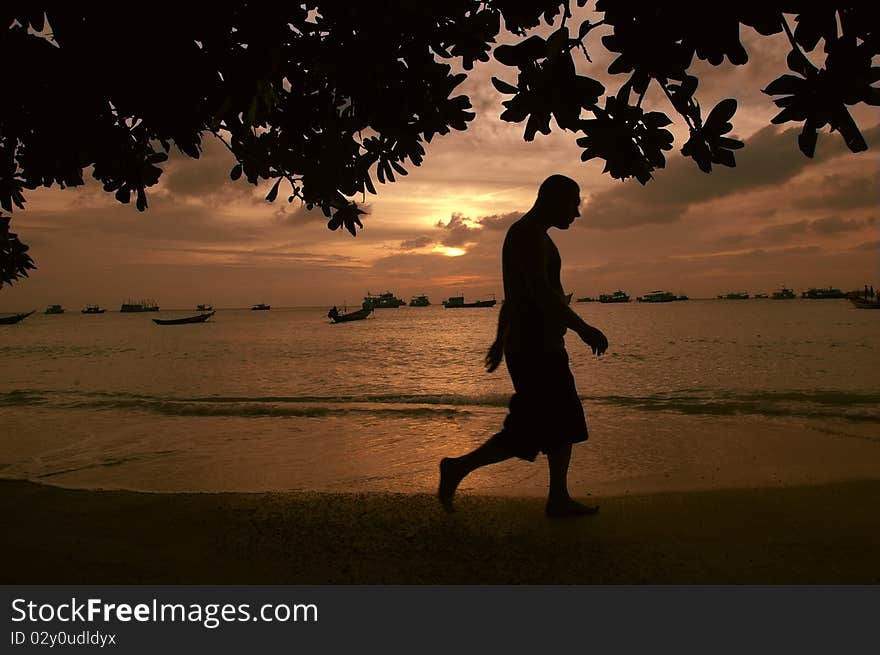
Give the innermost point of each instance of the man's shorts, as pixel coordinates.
(545, 413)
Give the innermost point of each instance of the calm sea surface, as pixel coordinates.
(693, 394)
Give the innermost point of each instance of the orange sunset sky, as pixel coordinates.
(777, 219)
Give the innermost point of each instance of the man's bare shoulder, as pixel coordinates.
(523, 233)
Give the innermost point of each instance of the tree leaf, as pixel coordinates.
(503, 86)
(507, 55)
(273, 192)
(368, 183)
(784, 85)
(725, 158)
(807, 140)
(557, 42)
(722, 113)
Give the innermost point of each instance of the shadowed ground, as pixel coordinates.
(815, 534)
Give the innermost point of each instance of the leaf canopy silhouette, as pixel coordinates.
(325, 97)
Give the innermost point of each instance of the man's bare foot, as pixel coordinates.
(449, 479)
(569, 507)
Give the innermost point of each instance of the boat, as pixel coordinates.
(92, 309)
(419, 301)
(385, 300)
(617, 296)
(783, 294)
(142, 306)
(54, 309)
(204, 308)
(657, 296)
(863, 303)
(682, 297)
(760, 295)
(586, 299)
(261, 307)
(867, 299)
(823, 294)
(457, 302)
(15, 318)
(201, 318)
(739, 295)
(359, 315)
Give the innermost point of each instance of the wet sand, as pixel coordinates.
(816, 534)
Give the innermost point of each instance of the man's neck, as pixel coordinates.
(538, 217)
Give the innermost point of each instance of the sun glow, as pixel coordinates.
(449, 252)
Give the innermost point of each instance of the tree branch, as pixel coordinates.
(669, 96)
(789, 34)
(287, 176)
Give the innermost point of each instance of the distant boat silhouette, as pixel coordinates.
(657, 296)
(358, 315)
(617, 296)
(740, 295)
(385, 300)
(784, 294)
(204, 308)
(92, 309)
(419, 301)
(54, 309)
(261, 307)
(201, 318)
(864, 303)
(142, 306)
(586, 299)
(15, 318)
(456, 302)
(823, 294)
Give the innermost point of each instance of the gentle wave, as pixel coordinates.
(807, 404)
(260, 410)
(814, 405)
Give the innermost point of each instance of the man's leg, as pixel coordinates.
(454, 469)
(559, 502)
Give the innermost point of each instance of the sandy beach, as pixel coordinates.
(819, 534)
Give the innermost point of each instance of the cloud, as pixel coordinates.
(296, 214)
(784, 232)
(416, 243)
(166, 221)
(499, 221)
(770, 158)
(839, 192)
(203, 177)
(282, 253)
(836, 225)
(457, 231)
(462, 231)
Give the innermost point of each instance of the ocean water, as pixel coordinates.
(696, 394)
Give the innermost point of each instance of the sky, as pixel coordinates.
(776, 219)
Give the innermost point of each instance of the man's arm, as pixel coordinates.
(590, 335)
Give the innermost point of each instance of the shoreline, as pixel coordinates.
(811, 534)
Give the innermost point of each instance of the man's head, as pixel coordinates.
(559, 198)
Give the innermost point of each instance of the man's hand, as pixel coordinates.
(594, 338)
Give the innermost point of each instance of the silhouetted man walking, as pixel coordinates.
(545, 414)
